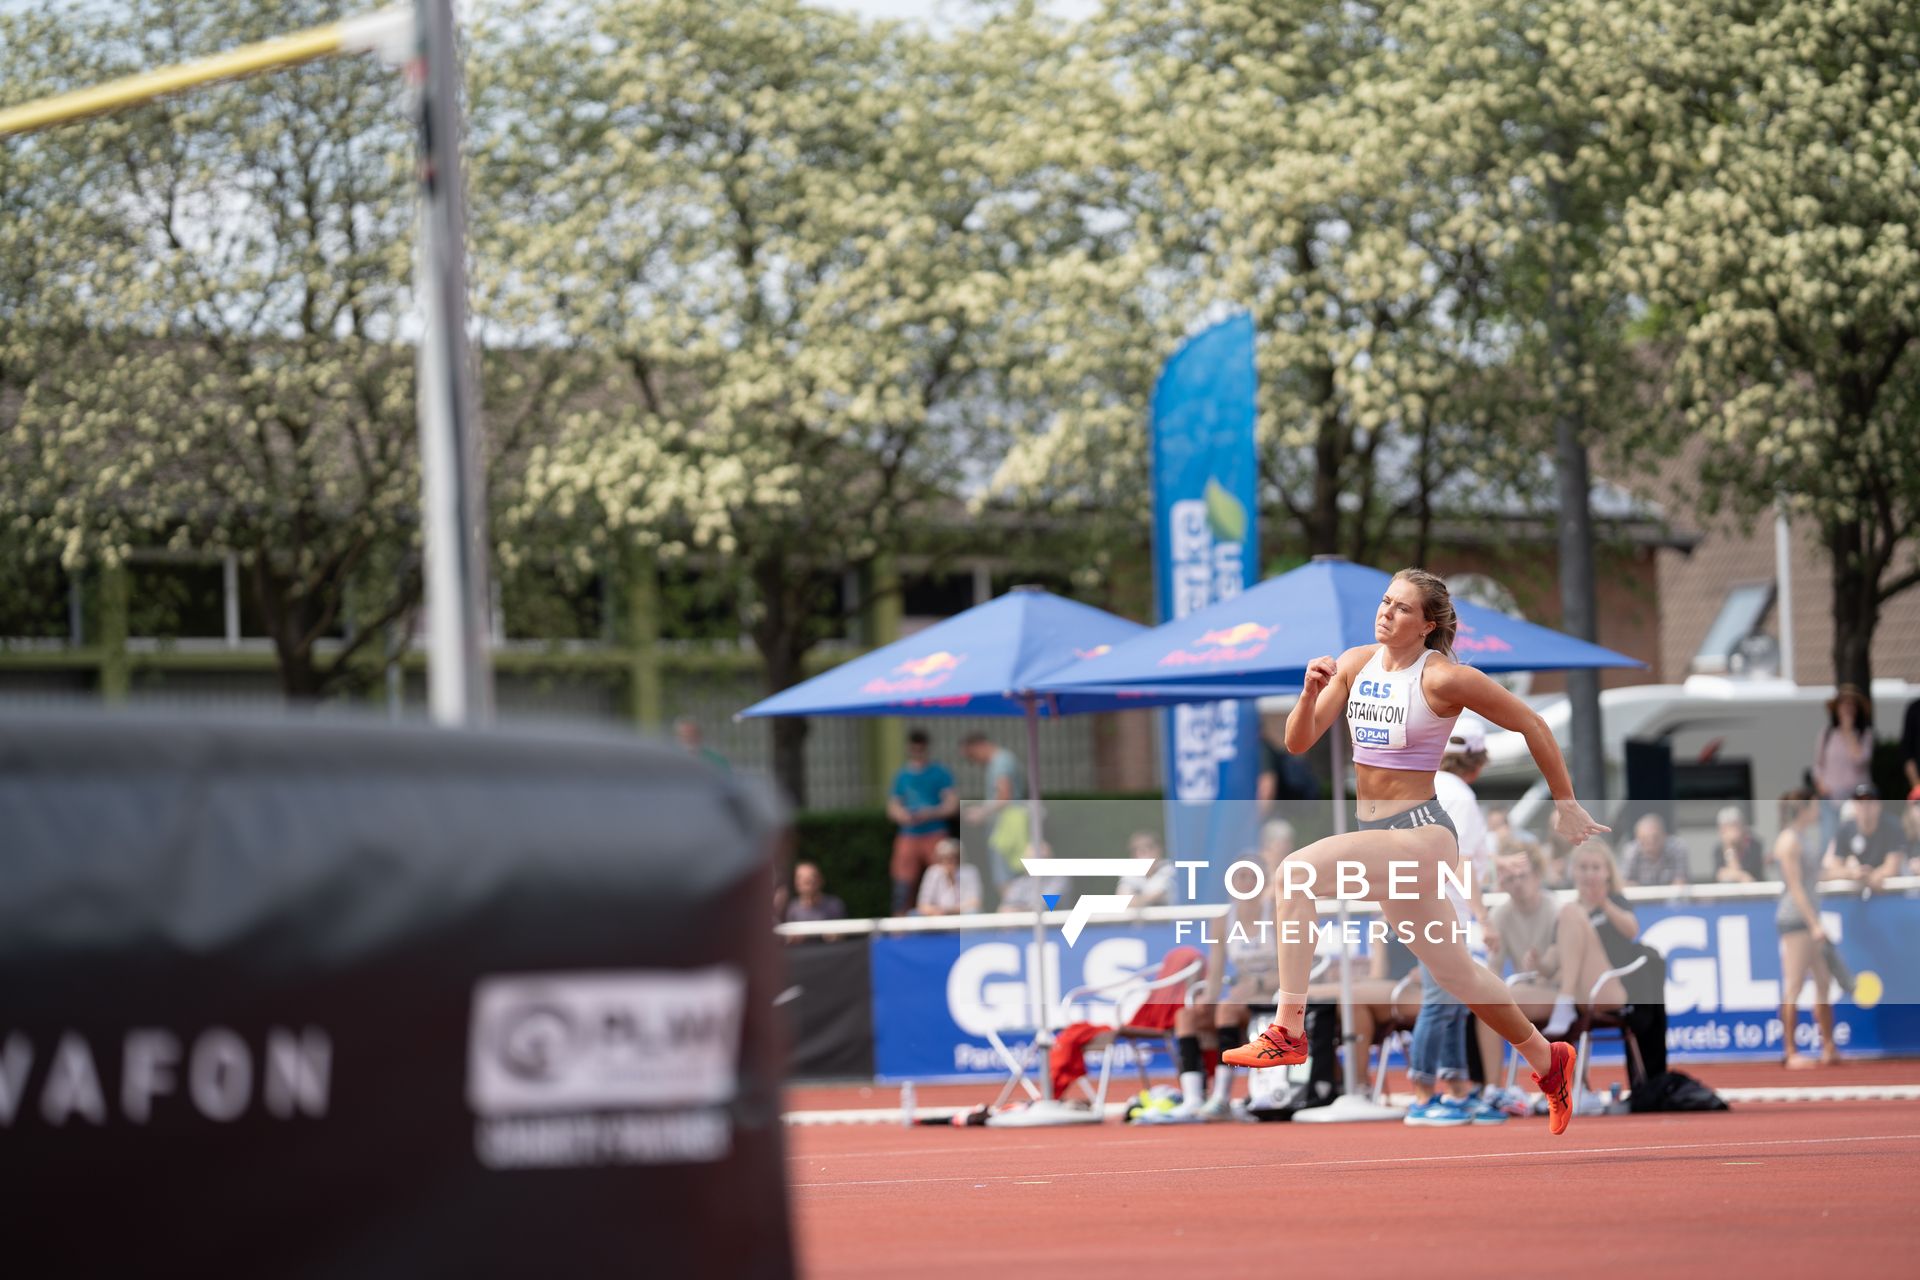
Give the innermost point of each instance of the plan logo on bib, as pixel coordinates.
(1086, 869)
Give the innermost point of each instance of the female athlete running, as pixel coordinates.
(1401, 698)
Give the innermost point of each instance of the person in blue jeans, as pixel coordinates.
(1444, 1095)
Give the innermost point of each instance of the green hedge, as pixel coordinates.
(851, 847)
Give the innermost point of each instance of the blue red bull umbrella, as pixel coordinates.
(1265, 637)
(988, 661)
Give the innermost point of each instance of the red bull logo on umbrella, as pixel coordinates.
(1238, 643)
(1466, 641)
(1095, 652)
(918, 675)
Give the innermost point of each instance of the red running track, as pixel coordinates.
(1762, 1191)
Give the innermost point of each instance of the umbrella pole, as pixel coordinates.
(1043, 1021)
(1347, 1038)
(1048, 1111)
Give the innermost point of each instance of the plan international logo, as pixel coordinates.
(1086, 869)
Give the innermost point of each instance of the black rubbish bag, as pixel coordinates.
(1674, 1091)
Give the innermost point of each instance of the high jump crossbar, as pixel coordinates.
(460, 664)
(388, 32)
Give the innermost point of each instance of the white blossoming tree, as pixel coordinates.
(207, 330)
(238, 382)
(1779, 256)
(1254, 158)
(803, 241)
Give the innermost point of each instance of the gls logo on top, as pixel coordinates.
(552, 1054)
(1086, 869)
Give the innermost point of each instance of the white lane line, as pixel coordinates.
(1761, 1093)
(1296, 1165)
(964, 1151)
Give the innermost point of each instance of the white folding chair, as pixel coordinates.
(1019, 1065)
(1585, 1020)
(1399, 1036)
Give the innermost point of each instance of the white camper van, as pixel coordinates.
(1729, 741)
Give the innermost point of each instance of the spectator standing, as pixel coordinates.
(1843, 755)
(950, 887)
(1738, 858)
(1910, 749)
(1655, 857)
(810, 900)
(1002, 815)
(920, 803)
(1803, 937)
(1156, 887)
(1868, 847)
(686, 730)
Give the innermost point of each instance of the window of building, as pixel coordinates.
(1740, 616)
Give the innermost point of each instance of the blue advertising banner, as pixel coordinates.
(936, 994)
(1723, 976)
(1206, 549)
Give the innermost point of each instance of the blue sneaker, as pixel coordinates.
(1482, 1108)
(1440, 1112)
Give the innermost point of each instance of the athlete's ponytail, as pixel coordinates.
(1438, 604)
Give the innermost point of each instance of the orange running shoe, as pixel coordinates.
(1557, 1084)
(1274, 1047)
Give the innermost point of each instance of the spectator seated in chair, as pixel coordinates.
(1737, 857)
(1594, 936)
(1554, 942)
(950, 887)
(1243, 965)
(1654, 857)
(1381, 1003)
(1156, 887)
(1867, 847)
(810, 900)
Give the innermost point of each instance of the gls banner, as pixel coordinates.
(935, 994)
(1206, 548)
(1723, 976)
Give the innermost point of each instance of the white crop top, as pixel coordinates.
(1391, 723)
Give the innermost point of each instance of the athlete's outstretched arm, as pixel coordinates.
(1323, 697)
(1473, 690)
